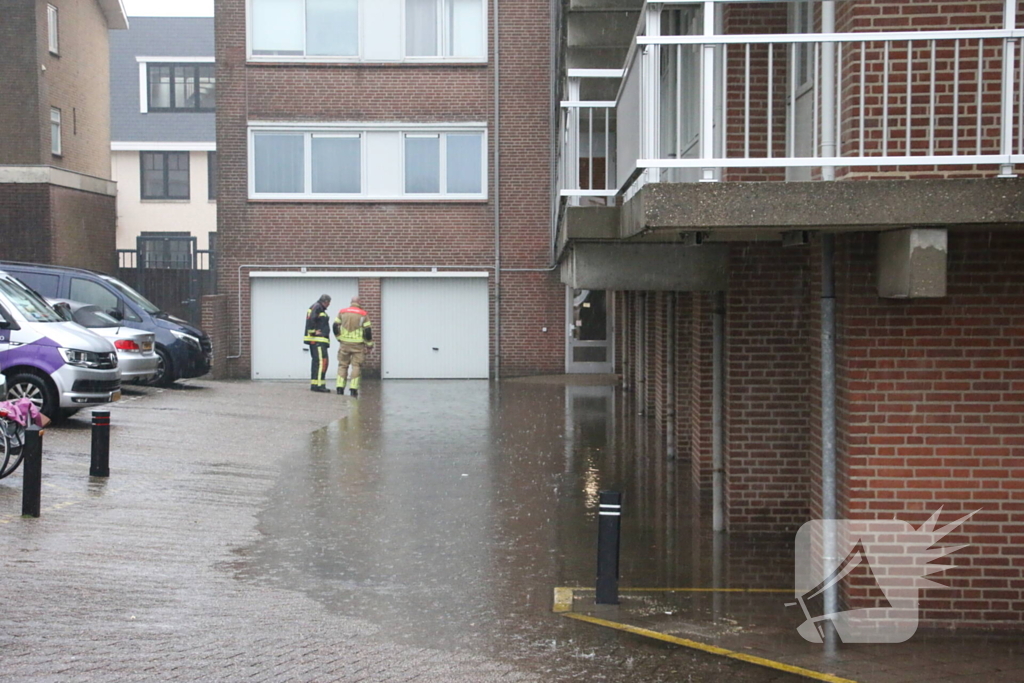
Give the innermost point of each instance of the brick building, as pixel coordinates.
(847, 344)
(398, 149)
(57, 202)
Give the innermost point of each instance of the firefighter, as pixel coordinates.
(352, 328)
(318, 337)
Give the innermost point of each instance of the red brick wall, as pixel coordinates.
(700, 391)
(215, 323)
(19, 81)
(390, 235)
(25, 222)
(931, 410)
(767, 376)
(369, 297)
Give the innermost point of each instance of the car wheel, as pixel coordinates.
(164, 376)
(36, 389)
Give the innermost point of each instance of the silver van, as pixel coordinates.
(62, 367)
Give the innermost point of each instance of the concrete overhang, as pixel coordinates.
(774, 207)
(646, 267)
(114, 13)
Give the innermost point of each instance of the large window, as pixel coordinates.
(373, 163)
(182, 87)
(165, 175)
(372, 30)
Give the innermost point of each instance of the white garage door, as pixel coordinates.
(434, 328)
(279, 306)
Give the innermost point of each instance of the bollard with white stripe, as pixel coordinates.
(608, 516)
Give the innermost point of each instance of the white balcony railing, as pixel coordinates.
(793, 106)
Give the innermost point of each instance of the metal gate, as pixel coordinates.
(169, 270)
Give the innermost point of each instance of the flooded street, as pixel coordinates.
(446, 513)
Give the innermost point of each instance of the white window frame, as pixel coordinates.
(53, 29)
(359, 58)
(56, 141)
(362, 129)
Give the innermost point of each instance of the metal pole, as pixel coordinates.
(33, 473)
(828, 89)
(670, 399)
(717, 412)
(609, 516)
(828, 412)
(1006, 133)
(100, 466)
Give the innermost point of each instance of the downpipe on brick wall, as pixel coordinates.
(828, 417)
(670, 371)
(717, 412)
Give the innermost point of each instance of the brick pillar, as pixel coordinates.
(369, 294)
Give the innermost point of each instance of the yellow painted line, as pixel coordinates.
(690, 590)
(711, 649)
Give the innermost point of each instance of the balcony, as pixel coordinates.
(714, 127)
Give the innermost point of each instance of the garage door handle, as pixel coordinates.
(436, 349)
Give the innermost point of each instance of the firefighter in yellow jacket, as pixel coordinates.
(318, 336)
(352, 328)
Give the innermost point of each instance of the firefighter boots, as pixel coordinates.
(355, 393)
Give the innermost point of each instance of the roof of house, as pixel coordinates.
(163, 39)
(113, 12)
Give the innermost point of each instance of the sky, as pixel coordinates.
(169, 8)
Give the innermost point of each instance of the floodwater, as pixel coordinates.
(447, 511)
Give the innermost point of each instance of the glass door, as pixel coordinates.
(589, 345)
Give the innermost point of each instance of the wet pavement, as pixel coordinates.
(257, 531)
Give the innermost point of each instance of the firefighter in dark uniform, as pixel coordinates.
(318, 336)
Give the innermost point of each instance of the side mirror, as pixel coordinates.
(4, 325)
(115, 314)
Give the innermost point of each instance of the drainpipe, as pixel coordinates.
(641, 353)
(627, 316)
(717, 412)
(828, 89)
(670, 379)
(497, 198)
(828, 410)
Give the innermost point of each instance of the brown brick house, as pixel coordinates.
(57, 202)
(400, 150)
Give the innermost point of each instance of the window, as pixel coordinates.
(444, 28)
(165, 175)
(182, 87)
(53, 37)
(167, 250)
(458, 155)
(375, 163)
(434, 29)
(803, 22)
(55, 141)
(211, 175)
(89, 292)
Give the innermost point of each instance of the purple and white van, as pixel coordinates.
(59, 365)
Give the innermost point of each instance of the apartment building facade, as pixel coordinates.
(57, 199)
(382, 149)
(843, 345)
(163, 141)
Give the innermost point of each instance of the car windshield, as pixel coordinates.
(92, 316)
(28, 303)
(136, 298)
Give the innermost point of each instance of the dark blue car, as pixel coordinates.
(184, 349)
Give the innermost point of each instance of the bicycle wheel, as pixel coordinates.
(5, 451)
(12, 435)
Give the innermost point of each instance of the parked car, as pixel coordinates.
(183, 350)
(136, 349)
(61, 366)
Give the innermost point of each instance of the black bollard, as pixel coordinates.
(608, 516)
(100, 466)
(32, 482)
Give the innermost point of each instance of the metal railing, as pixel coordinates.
(795, 106)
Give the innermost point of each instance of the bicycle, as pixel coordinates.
(12, 445)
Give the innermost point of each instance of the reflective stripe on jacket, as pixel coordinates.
(352, 326)
(318, 329)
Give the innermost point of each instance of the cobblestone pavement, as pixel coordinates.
(155, 574)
